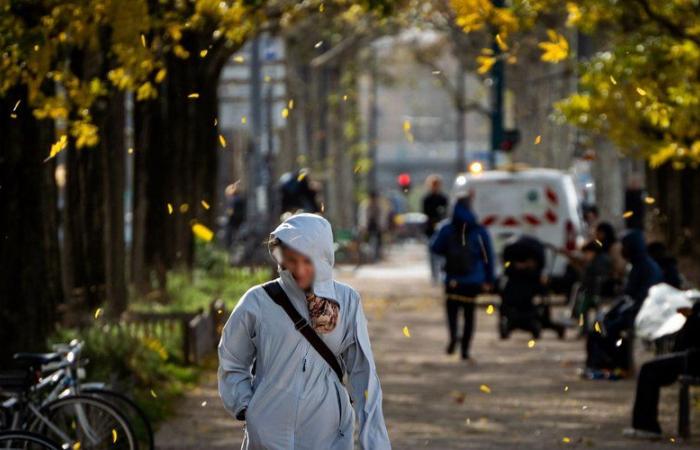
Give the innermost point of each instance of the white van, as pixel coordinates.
(537, 202)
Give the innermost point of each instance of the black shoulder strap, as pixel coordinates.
(275, 291)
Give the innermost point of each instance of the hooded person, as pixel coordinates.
(645, 272)
(274, 379)
(466, 247)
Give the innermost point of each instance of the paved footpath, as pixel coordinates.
(514, 396)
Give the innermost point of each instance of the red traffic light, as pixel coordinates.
(404, 180)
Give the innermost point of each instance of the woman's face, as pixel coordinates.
(300, 266)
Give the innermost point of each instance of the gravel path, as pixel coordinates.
(514, 397)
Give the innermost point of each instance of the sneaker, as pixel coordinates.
(635, 433)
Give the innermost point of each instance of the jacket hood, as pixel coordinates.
(462, 214)
(311, 235)
(633, 245)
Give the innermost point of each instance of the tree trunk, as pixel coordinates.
(30, 282)
(112, 152)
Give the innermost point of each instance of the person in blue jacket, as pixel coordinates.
(272, 378)
(466, 247)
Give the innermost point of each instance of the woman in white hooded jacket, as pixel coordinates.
(294, 400)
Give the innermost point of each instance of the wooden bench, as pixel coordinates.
(686, 381)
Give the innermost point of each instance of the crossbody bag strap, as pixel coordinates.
(277, 294)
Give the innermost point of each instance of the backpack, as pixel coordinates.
(458, 258)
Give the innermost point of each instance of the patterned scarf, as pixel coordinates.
(323, 313)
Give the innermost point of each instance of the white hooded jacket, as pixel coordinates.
(295, 400)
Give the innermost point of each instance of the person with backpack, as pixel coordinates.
(287, 346)
(466, 247)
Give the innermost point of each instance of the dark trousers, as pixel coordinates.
(661, 371)
(461, 297)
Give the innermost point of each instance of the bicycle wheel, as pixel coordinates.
(137, 417)
(85, 423)
(23, 440)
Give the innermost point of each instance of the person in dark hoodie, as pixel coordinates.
(609, 348)
(669, 266)
(466, 247)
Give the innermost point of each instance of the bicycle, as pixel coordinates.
(69, 373)
(22, 440)
(76, 422)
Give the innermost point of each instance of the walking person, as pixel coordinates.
(372, 222)
(435, 209)
(287, 345)
(466, 247)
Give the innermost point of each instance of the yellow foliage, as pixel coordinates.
(556, 49)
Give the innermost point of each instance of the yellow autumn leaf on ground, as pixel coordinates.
(202, 232)
(556, 49)
(485, 388)
(406, 332)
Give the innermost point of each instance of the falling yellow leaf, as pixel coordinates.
(170, 208)
(531, 343)
(205, 205)
(485, 63)
(649, 200)
(222, 140)
(290, 103)
(114, 436)
(76, 446)
(16, 105)
(556, 49)
(193, 95)
(345, 98)
(58, 146)
(204, 403)
(143, 40)
(566, 388)
(627, 214)
(366, 394)
(160, 76)
(566, 440)
(130, 150)
(98, 313)
(406, 332)
(153, 394)
(285, 112)
(538, 139)
(202, 232)
(239, 59)
(302, 175)
(598, 243)
(641, 91)
(407, 130)
(597, 328)
(501, 42)
(184, 208)
(485, 389)
(507, 264)
(613, 80)
(244, 120)
(489, 309)
(203, 53)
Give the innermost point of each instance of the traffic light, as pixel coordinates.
(404, 181)
(511, 138)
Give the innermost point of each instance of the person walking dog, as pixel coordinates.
(287, 345)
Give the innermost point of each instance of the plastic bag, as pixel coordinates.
(659, 316)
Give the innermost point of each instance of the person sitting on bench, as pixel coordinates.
(663, 371)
